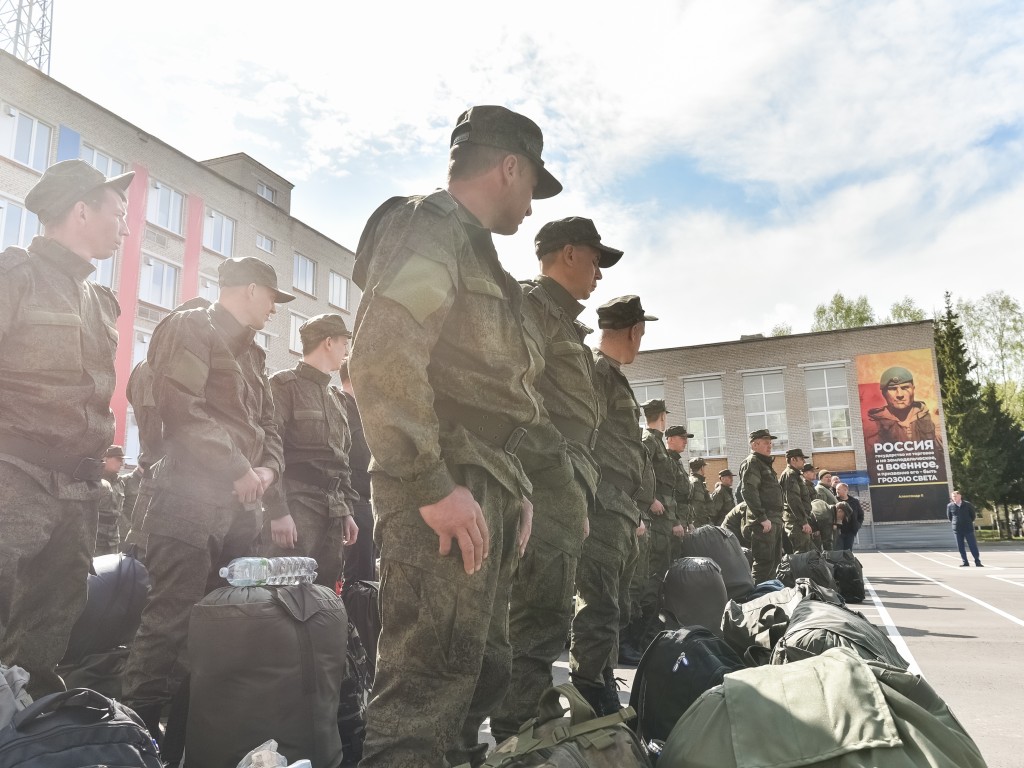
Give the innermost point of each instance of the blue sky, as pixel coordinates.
(753, 158)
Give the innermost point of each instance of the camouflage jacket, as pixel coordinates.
(312, 421)
(700, 501)
(759, 488)
(439, 346)
(666, 475)
(796, 501)
(825, 494)
(736, 521)
(58, 337)
(684, 513)
(722, 502)
(147, 416)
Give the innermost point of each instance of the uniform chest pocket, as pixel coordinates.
(226, 381)
(308, 427)
(47, 341)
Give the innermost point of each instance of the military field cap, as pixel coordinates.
(250, 270)
(116, 451)
(623, 312)
(697, 462)
(809, 468)
(823, 473)
(499, 127)
(726, 473)
(574, 230)
(757, 434)
(677, 431)
(895, 376)
(795, 453)
(65, 183)
(321, 327)
(653, 407)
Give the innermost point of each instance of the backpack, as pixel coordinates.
(834, 710)
(580, 740)
(677, 667)
(77, 728)
(724, 548)
(810, 565)
(693, 593)
(815, 626)
(849, 574)
(355, 695)
(362, 602)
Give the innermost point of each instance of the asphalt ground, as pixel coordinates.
(961, 628)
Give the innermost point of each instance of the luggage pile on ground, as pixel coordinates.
(724, 548)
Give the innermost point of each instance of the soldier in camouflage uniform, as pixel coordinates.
(316, 519)
(736, 522)
(796, 502)
(676, 439)
(58, 336)
(700, 500)
(722, 498)
(556, 458)
(439, 343)
(611, 549)
(111, 525)
(222, 456)
(761, 492)
(361, 557)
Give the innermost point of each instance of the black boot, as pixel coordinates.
(610, 703)
(592, 694)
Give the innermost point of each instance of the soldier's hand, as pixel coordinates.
(351, 530)
(678, 530)
(525, 525)
(806, 528)
(284, 533)
(766, 525)
(458, 516)
(249, 487)
(657, 507)
(641, 529)
(266, 476)
(586, 527)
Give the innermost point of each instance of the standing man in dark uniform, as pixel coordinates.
(676, 439)
(556, 458)
(700, 500)
(316, 518)
(110, 526)
(962, 514)
(361, 558)
(445, 381)
(722, 498)
(58, 335)
(222, 456)
(611, 548)
(761, 492)
(796, 501)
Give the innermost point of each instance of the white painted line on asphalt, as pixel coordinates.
(1009, 581)
(982, 603)
(947, 565)
(893, 632)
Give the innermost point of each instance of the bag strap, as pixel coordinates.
(76, 697)
(550, 706)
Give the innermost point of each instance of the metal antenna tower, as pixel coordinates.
(25, 30)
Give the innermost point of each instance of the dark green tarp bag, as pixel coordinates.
(831, 711)
(806, 565)
(724, 548)
(814, 627)
(752, 629)
(849, 574)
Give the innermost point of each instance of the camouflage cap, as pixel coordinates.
(114, 451)
(251, 270)
(757, 434)
(653, 407)
(677, 431)
(623, 312)
(499, 127)
(65, 183)
(321, 327)
(823, 473)
(574, 230)
(726, 473)
(697, 462)
(795, 453)
(895, 376)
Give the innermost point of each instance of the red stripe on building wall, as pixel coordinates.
(128, 296)
(193, 245)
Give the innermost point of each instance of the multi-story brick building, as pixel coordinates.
(805, 388)
(185, 218)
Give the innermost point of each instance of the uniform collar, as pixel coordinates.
(611, 361)
(307, 371)
(239, 336)
(68, 262)
(562, 297)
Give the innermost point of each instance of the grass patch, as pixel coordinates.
(989, 536)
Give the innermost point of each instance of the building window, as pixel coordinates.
(218, 232)
(264, 243)
(165, 207)
(305, 274)
(338, 291)
(25, 139)
(764, 400)
(140, 348)
(294, 339)
(132, 446)
(828, 405)
(645, 392)
(159, 283)
(268, 193)
(209, 288)
(17, 226)
(705, 416)
(104, 274)
(101, 161)
(263, 339)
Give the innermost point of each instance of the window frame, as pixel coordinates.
(345, 293)
(38, 155)
(267, 238)
(294, 338)
(157, 186)
(760, 419)
(148, 260)
(106, 170)
(311, 290)
(829, 408)
(24, 217)
(266, 191)
(697, 424)
(227, 231)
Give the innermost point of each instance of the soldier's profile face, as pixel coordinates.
(899, 396)
(676, 443)
(586, 271)
(261, 306)
(726, 480)
(762, 445)
(107, 225)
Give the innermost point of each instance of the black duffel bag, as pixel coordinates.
(724, 548)
(849, 574)
(77, 728)
(362, 601)
(693, 594)
(806, 565)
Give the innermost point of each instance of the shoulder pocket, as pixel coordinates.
(566, 348)
(484, 286)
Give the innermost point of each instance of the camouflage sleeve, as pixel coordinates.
(275, 503)
(751, 485)
(179, 353)
(647, 486)
(273, 442)
(147, 416)
(13, 285)
(411, 286)
(346, 491)
(792, 496)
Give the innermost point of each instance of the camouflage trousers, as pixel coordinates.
(659, 561)
(637, 590)
(766, 549)
(602, 608)
(443, 659)
(361, 557)
(320, 537)
(181, 575)
(800, 541)
(46, 546)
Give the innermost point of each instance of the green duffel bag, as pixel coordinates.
(814, 627)
(552, 740)
(831, 711)
(753, 628)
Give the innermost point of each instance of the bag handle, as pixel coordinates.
(550, 706)
(76, 697)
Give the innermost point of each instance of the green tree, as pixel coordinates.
(1003, 455)
(905, 311)
(994, 333)
(782, 329)
(841, 312)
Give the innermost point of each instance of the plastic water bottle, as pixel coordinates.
(271, 571)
